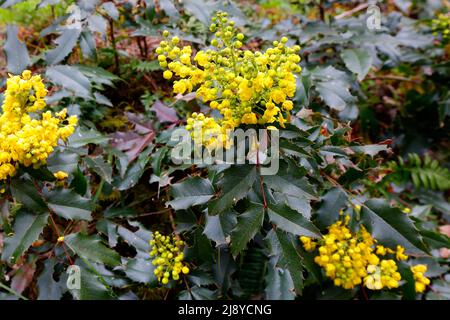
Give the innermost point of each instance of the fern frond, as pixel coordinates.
(425, 173)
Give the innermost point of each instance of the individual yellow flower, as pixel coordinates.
(249, 118)
(400, 253)
(167, 74)
(61, 175)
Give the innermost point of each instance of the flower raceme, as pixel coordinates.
(27, 135)
(352, 259)
(441, 25)
(244, 87)
(419, 276)
(167, 257)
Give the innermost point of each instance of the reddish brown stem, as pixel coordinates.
(261, 179)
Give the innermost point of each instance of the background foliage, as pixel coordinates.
(372, 122)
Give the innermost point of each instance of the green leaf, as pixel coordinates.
(332, 202)
(358, 61)
(139, 239)
(288, 182)
(390, 226)
(191, 192)
(70, 205)
(408, 288)
(248, 224)
(92, 249)
(370, 149)
(71, 79)
(435, 240)
(92, 285)
(200, 9)
(24, 192)
(279, 285)
(65, 43)
(441, 290)
(16, 51)
(140, 270)
(63, 160)
(111, 10)
(283, 247)
(48, 288)
(101, 167)
(40, 174)
(333, 87)
(169, 8)
(27, 229)
(235, 184)
(82, 137)
(291, 221)
(79, 182)
(219, 227)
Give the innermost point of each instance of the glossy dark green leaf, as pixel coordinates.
(100, 166)
(235, 184)
(248, 224)
(332, 202)
(27, 228)
(64, 45)
(69, 204)
(291, 221)
(16, 51)
(279, 285)
(287, 256)
(63, 160)
(79, 182)
(390, 226)
(70, 78)
(358, 61)
(48, 288)
(288, 182)
(219, 227)
(92, 249)
(191, 192)
(25, 192)
(92, 286)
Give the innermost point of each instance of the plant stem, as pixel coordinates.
(113, 43)
(261, 179)
(3, 286)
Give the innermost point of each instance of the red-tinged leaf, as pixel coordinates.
(23, 277)
(164, 113)
(141, 125)
(133, 142)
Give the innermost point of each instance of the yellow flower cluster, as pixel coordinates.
(245, 87)
(419, 276)
(26, 137)
(381, 276)
(441, 25)
(168, 257)
(351, 259)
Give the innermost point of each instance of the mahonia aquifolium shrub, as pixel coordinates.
(352, 259)
(28, 137)
(441, 25)
(245, 87)
(167, 253)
